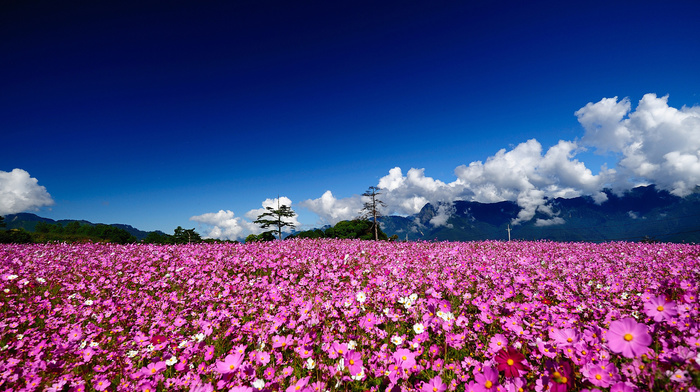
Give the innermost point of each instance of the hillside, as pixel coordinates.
(641, 213)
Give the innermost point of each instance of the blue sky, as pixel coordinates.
(152, 113)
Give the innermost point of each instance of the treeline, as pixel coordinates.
(354, 229)
(76, 231)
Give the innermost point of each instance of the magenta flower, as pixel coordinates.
(405, 358)
(296, 387)
(153, 368)
(230, 363)
(510, 361)
(498, 342)
(659, 308)
(101, 383)
(599, 377)
(628, 337)
(486, 381)
(434, 385)
(353, 361)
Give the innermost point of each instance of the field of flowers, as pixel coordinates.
(342, 315)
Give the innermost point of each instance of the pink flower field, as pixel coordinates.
(342, 315)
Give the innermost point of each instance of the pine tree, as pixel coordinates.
(274, 217)
(371, 208)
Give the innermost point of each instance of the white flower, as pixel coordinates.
(418, 328)
(41, 280)
(199, 337)
(89, 302)
(132, 353)
(20, 336)
(6, 290)
(359, 376)
(310, 364)
(413, 297)
(352, 345)
(361, 297)
(94, 344)
(171, 361)
(183, 344)
(341, 365)
(397, 340)
(258, 383)
(11, 277)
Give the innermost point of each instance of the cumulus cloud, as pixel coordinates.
(331, 210)
(224, 225)
(549, 222)
(20, 192)
(655, 143)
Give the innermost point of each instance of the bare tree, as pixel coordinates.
(371, 208)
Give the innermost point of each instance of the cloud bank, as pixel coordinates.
(654, 143)
(224, 225)
(19, 192)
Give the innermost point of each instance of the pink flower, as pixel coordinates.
(486, 381)
(498, 342)
(101, 384)
(628, 337)
(434, 385)
(599, 377)
(659, 308)
(353, 361)
(405, 358)
(153, 368)
(230, 363)
(296, 387)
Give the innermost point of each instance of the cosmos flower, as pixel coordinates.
(434, 385)
(510, 361)
(230, 363)
(658, 308)
(628, 337)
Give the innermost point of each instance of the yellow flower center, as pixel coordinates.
(404, 357)
(660, 308)
(628, 337)
(488, 384)
(352, 362)
(598, 377)
(510, 362)
(569, 340)
(231, 367)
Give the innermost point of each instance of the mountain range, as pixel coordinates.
(643, 213)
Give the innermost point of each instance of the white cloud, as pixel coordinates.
(656, 143)
(549, 222)
(223, 225)
(19, 192)
(332, 210)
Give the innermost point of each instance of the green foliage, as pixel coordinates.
(16, 236)
(2, 221)
(156, 237)
(186, 236)
(262, 237)
(75, 231)
(355, 229)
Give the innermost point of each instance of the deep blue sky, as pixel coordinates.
(149, 113)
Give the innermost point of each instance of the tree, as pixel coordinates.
(2, 221)
(371, 208)
(274, 217)
(186, 236)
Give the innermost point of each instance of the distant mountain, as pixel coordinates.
(641, 213)
(28, 222)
